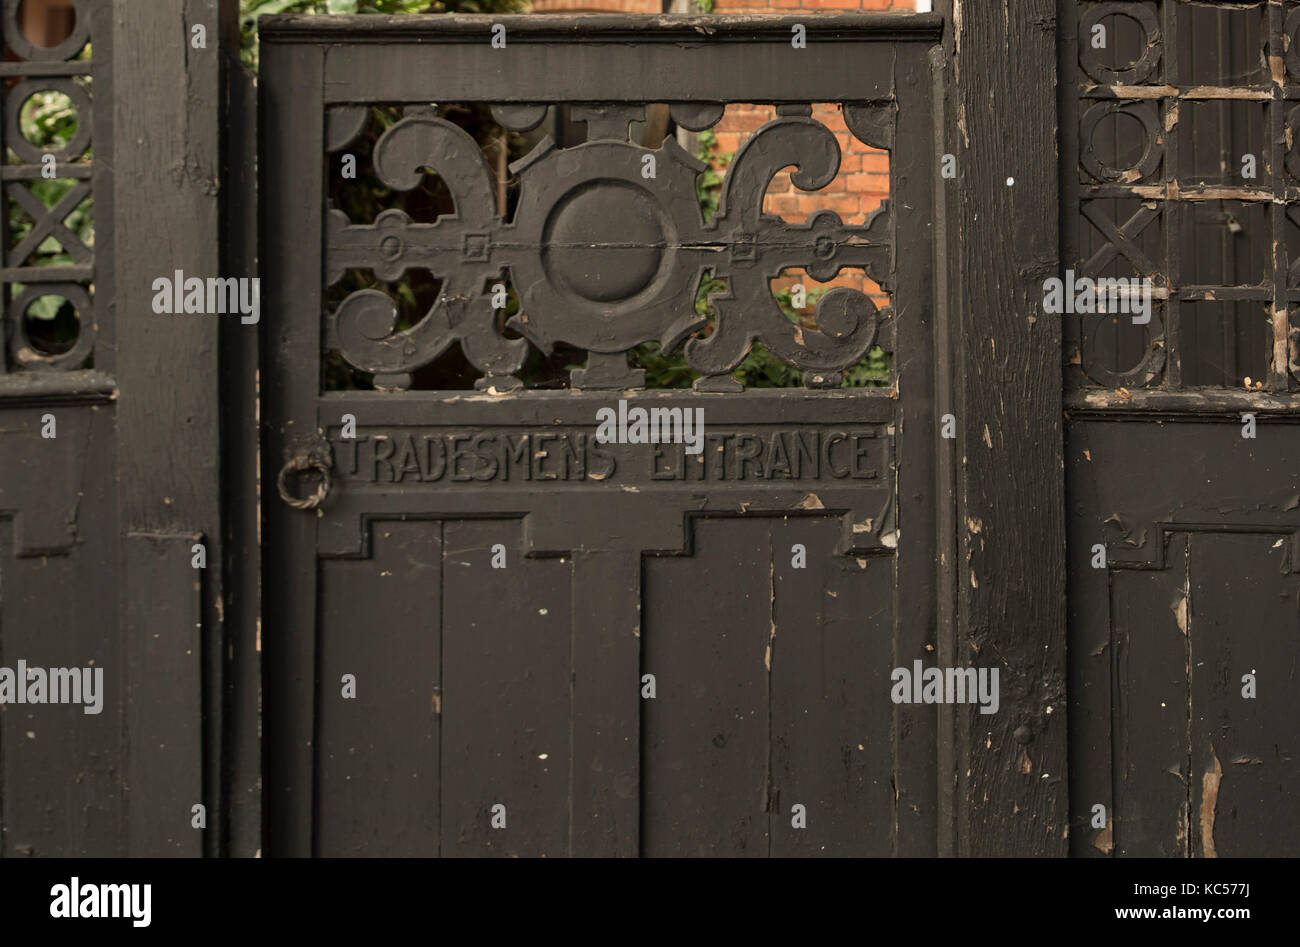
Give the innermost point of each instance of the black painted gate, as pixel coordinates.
(489, 630)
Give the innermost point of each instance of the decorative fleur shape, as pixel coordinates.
(606, 249)
(456, 248)
(762, 245)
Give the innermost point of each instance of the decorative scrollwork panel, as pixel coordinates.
(604, 245)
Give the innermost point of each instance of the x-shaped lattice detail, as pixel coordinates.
(48, 222)
(1120, 239)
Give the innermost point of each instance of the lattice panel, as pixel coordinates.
(49, 177)
(1181, 166)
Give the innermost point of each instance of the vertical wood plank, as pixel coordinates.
(1013, 543)
(923, 568)
(377, 754)
(167, 131)
(706, 737)
(606, 654)
(506, 669)
(1245, 618)
(291, 141)
(241, 440)
(831, 653)
(1091, 657)
(1149, 650)
(162, 627)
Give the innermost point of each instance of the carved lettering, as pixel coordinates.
(457, 456)
(541, 454)
(488, 465)
(519, 456)
(831, 467)
(382, 453)
(406, 460)
(407, 456)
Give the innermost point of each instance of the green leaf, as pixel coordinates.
(45, 307)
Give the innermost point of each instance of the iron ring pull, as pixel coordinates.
(311, 454)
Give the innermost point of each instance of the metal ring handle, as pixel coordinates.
(311, 456)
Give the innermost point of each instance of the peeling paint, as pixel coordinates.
(1105, 840)
(1179, 609)
(1211, 92)
(1281, 339)
(771, 597)
(1209, 803)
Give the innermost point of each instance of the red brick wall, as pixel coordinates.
(857, 190)
(863, 180)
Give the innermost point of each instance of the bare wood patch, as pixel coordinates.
(1209, 802)
(1105, 840)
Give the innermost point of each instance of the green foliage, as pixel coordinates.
(48, 120)
(871, 372)
(708, 186)
(250, 10)
(704, 6)
(760, 368)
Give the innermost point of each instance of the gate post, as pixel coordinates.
(1011, 787)
(169, 216)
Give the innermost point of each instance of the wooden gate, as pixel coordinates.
(1182, 479)
(499, 618)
